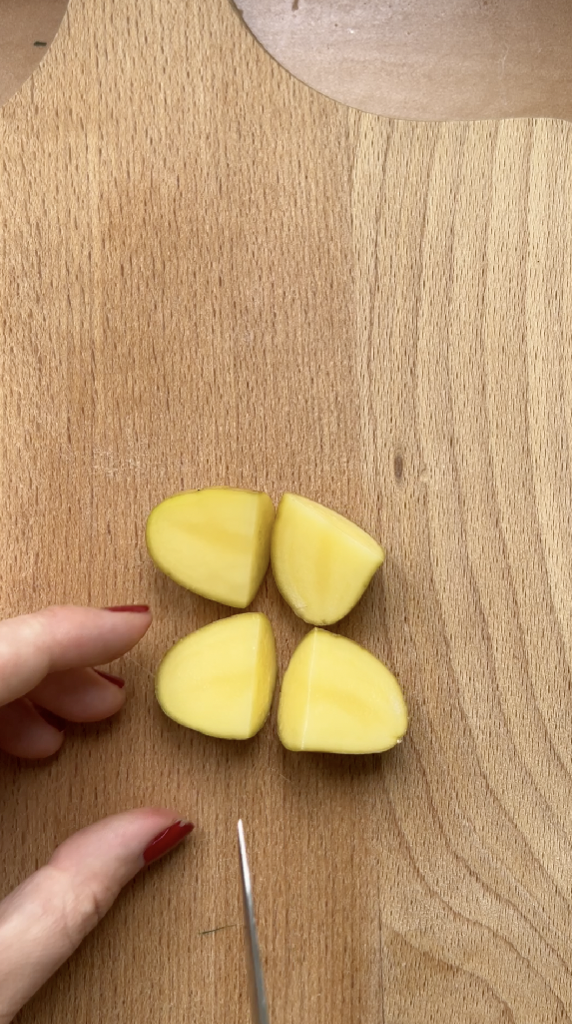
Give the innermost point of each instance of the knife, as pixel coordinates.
(258, 1007)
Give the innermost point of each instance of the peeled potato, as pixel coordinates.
(322, 562)
(337, 697)
(215, 542)
(220, 680)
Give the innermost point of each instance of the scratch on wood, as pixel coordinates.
(130, 658)
(221, 928)
(279, 774)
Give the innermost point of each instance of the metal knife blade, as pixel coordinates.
(258, 1007)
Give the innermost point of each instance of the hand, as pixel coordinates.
(45, 662)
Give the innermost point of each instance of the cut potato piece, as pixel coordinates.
(322, 562)
(220, 680)
(337, 697)
(215, 542)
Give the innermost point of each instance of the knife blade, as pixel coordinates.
(258, 1006)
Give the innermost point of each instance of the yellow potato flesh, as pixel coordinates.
(215, 542)
(322, 562)
(339, 698)
(220, 680)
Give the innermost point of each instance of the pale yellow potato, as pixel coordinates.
(337, 697)
(215, 542)
(220, 679)
(322, 562)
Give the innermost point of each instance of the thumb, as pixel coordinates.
(45, 919)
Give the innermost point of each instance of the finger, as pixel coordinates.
(80, 695)
(58, 639)
(24, 733)
(45, 919)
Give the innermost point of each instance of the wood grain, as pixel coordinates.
(211, 274)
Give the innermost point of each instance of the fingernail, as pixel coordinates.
(167, 840)
(116, 680)
(128, 608)
(53, 720)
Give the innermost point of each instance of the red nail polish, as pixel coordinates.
(128, 608)
(167, 840)
(116, 680)
(54, 720)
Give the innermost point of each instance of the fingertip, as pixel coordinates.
(166, 840)
(124, 843)
(129, 620)
(46, 918)
(103, 700)
(47, 748)
(26, 734)
(61, 638)
(97, 707)
(83, 695)
(52, 719)
(134, 616)
(116, 680)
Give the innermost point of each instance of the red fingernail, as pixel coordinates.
(167, 840)
(116, 680)
(53, 720)
(128, 608)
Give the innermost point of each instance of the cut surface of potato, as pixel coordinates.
(322, 562)
(220, 679)
(215, 542)
(337, 697)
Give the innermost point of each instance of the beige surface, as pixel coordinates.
(27, 28)
(211, 274)
(428, 59)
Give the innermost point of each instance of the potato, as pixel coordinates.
(322, 562)
(220, 679)
(214, 542)
(337, 697)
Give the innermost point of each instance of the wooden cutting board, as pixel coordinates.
(212, 274)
